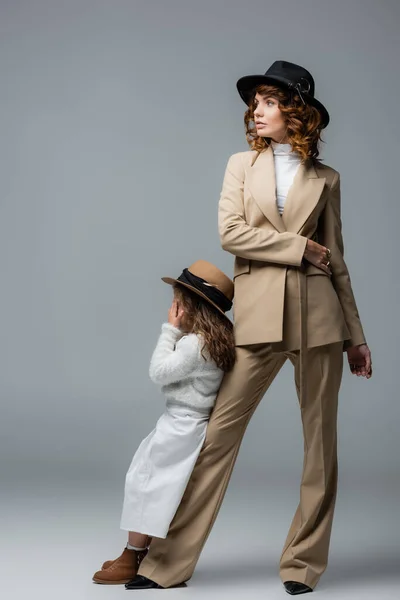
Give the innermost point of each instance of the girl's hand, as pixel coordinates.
(175, 314)
(318, 256)
(359, 358)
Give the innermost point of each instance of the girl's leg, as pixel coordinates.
(138, 540)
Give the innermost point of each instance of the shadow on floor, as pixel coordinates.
(341, 571)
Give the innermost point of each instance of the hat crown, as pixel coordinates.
(286, 75)
(213, 276)
(209, 282)
(294, 74)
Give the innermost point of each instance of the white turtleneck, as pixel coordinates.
(286, 164)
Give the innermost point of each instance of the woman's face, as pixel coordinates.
(268, 118)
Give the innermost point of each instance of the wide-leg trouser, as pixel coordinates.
(305, 554)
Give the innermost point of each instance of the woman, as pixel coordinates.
(279, 215)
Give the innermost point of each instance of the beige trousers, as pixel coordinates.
(305, 554)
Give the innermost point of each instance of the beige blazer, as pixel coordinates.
(268, 250)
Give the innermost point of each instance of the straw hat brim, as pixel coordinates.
(171, 281)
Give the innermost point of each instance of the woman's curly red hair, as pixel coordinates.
(303, 122)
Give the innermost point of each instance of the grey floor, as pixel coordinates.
(54, 535)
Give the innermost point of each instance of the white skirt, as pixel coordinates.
(160, 471)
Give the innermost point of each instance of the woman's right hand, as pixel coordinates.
(318, 255)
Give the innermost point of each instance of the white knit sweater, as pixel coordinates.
(186, 378)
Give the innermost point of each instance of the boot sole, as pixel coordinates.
(118, 582)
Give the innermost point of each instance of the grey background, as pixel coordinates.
(117, 119)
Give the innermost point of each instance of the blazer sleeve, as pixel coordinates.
(239, 238)
(333, 239)
(175, 356)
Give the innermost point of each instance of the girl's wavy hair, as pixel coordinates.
(217, 331)
(303, 122)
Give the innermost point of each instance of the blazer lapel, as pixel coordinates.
(262, 185)
(302, 198)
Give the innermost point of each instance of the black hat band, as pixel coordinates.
(214, 294)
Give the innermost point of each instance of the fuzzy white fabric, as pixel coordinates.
(185, 376)
(286, 164)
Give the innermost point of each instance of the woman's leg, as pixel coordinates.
(305, 554)
(172, 560)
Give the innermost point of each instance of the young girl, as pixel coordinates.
(194, 350)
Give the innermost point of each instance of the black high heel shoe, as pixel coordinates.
(295, 587)
(140, 582)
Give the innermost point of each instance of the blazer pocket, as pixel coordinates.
(241, 266)
(313, 270)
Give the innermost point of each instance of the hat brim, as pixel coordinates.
(246, 85)
(171, 281)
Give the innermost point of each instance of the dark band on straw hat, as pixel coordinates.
(209, 290)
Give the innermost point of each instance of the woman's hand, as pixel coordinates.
(318, 255)
(359, 358)
(175, 314)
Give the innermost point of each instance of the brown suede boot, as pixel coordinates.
(108, 563)
(122, 569)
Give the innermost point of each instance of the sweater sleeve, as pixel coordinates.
(175, 356)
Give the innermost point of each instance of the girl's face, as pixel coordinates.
(269, 119)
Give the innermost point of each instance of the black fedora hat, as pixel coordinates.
(289, 76)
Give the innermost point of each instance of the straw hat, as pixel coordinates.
(209, 282)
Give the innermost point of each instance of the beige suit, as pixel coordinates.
(265, 244)
(268, 253)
